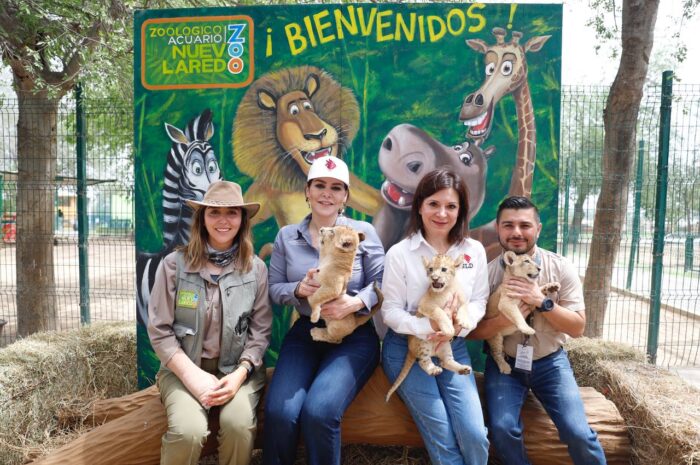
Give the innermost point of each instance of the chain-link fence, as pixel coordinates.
(108, 253)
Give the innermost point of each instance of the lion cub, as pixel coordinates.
(442, 286)
(338, 247)
(519, 266)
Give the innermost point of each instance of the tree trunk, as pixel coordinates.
(36, 159)
(620, 117)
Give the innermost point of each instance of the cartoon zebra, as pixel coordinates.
(191, 168)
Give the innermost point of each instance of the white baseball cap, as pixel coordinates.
(329, 167)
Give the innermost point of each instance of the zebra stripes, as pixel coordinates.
(190, 169)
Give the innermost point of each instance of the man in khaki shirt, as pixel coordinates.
(542, 364)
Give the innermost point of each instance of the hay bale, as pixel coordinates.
(48, 382)
(585, 355)
(661, 410)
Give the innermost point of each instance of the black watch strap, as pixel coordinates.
(248, 365)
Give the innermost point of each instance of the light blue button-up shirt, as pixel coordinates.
(293, 255)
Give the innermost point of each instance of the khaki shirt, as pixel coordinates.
(161, 313)
(555, 268)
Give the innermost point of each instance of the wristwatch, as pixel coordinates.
(546, 306)
(248, 367)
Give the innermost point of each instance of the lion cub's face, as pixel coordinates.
(441, 271)
(522, 266)
(340, 239)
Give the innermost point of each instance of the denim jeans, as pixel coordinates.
(552, 382)
(446, 408)
(313, 385)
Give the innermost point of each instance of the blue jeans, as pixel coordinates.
(552, 382)
(313, 385)
(446, 408)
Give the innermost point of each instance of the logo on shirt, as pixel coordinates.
(467, 262)
(187, 299)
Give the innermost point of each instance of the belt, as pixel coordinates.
(210, 365)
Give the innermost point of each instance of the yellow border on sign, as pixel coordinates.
(248, 19)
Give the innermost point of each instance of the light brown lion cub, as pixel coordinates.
(338, 247)
(442, 286)
(521, 266)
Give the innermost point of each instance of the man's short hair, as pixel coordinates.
(517, 202)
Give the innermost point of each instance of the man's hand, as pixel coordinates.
(341, 307)
(525, 290)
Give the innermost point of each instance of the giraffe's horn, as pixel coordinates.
(499, 33)
(516, 37)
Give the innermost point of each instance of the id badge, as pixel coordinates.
(523, 358)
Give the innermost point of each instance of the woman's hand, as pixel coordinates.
(199, 384)
(341, 307)
(225, 389)
(308, 285)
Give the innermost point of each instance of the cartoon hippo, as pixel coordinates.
(406, 155)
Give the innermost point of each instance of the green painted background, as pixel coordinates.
(421, 83)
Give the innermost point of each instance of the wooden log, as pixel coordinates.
(134, 439)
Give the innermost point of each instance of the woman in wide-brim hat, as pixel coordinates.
(210, 323)
(314, 382)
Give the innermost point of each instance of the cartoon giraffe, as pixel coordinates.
(506, 73)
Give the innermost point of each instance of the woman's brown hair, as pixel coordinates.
(195, 251)
(432, 182)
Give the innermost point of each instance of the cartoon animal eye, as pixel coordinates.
(197, 167)
(490, 68)
(507, 68)
(307, 106)
(294, 110)
(466, 158)
(212, 166)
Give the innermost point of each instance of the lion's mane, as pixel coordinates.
(256, 151)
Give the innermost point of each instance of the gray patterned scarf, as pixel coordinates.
(222, 258)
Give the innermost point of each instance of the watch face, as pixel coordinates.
(547, 304)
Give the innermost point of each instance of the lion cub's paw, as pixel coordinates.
(434, 371)
(527, 330)
(465, 370)
(550, 288)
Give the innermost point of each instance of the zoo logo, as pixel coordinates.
(236, 48)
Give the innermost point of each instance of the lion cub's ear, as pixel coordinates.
(361, 236)
(458, 262)
(509, 257)
(426, 262)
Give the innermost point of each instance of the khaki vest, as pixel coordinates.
(237, 299)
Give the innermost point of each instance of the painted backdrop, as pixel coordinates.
(395, 90)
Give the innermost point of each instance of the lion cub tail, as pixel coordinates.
(362, 319)
(402, 375)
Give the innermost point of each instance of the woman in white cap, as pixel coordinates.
(314, 382)
(210, 323)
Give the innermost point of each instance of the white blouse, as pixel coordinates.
(405, 281)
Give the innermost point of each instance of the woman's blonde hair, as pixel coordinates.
(196, 254)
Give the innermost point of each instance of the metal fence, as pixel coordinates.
(110, 216)
(631, 302)
(109, 252)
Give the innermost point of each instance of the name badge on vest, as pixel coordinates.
(187, 299)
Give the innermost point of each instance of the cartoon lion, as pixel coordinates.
(286, 120)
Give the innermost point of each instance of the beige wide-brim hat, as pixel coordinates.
(225, 194)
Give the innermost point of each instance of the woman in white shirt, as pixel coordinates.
(446, 408)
